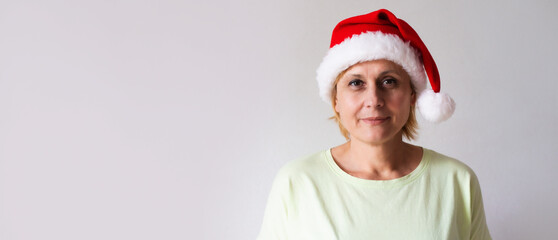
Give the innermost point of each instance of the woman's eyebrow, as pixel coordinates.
(356, 75)
(389, 71)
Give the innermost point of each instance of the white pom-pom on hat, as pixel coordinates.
(435, 107)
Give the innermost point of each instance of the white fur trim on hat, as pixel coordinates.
(367, 47)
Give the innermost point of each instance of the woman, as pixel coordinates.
(375, 186)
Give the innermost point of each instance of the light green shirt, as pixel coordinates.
(312, 198)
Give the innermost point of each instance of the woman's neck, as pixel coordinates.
(385, 161)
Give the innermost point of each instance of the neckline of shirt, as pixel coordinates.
(392, 183)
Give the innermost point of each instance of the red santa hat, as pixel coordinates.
(381, 35)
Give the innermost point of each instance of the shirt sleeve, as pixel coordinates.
(479, 228)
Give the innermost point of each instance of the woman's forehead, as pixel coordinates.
(380, 63)
(376, 67)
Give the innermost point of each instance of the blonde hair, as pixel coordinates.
(409, 129)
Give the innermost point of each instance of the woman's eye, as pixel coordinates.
(389, 82)
(356, 83)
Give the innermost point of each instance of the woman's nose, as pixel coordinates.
(374, 97)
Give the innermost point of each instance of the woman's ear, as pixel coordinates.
(335, 105)
(413, 98)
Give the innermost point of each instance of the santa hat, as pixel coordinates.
(381, 35)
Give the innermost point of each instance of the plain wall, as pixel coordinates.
(169, 119)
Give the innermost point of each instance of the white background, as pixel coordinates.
(168, 119)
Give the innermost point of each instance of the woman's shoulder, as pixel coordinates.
(448, 165)
(304, 166)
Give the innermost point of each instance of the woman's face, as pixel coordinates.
(373, 100)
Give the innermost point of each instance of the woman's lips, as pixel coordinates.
(375, 120)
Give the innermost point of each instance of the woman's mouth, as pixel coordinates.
(375, 120)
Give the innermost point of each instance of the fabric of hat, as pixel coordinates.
(381, 35)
